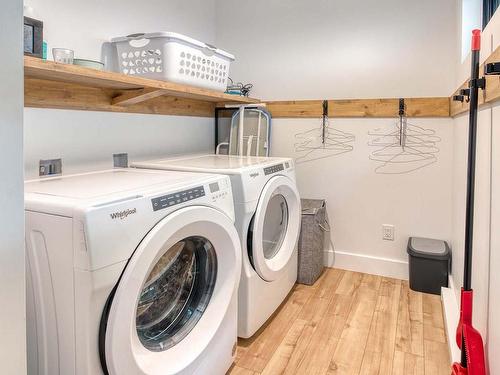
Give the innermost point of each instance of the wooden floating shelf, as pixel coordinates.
(53, 85)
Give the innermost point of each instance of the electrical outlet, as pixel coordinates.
(388, 232)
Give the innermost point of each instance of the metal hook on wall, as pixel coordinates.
(322, 142)
(405, 149)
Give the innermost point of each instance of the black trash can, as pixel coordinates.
(429, 264)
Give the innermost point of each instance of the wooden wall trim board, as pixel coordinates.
(415, 107)
(489, 95)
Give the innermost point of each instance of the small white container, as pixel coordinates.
(63, 55)
(173, 57)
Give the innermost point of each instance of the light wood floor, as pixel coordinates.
(349, 323)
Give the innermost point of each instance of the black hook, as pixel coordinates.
(402, 107)
(325, 116)
(492, 69)
(465, 93)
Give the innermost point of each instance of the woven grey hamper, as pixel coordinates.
(311, 240)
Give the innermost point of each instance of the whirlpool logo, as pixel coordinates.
(123, 214)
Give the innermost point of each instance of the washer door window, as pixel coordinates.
(275, 228)
(176, 293)
(173, 294)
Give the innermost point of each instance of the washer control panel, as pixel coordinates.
(219, 190)
(273, 169)
(170, 200)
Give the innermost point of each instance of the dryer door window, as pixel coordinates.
(274, 230)
(176, 293)
(275, 225)
(173, 296)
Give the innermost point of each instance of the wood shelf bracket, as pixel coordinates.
(136, 96)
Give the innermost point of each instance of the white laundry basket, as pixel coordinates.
(173, 57)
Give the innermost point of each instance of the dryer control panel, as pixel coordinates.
(170, 200)
(273, 169)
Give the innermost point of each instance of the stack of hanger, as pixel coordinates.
(405, 148)
(323, 141)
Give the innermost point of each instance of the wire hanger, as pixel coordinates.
(322, 142)
(406, 148)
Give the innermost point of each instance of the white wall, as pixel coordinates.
(493, 334)
(12, 292)
(297, 49)
(85, 25)
(87, 140)
(359, 201)
(339, 49)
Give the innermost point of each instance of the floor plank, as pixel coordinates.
(407, 364)
(349, 323)
(319, 307)
(261, 347)
(379, 351)
(349, 353)
(325, 338)
(436, 358)
(433, 318)
(281, 358)
(410, 329)
(236, 370)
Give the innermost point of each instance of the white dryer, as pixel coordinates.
(131, 272)
(267, 209)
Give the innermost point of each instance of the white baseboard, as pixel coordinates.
(366, 263)
(451, 315)
(328, 258)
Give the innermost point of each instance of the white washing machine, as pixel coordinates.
(131, 272)
(267, 209)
